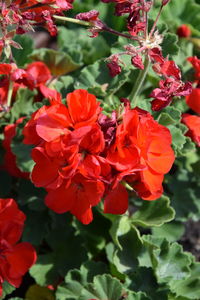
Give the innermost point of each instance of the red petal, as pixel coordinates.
(116, 202)
(20, 259)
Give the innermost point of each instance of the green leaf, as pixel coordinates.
(171, 263)
(96, 233)
(144, 280)
(7, 289)
(78, 44)
(35, 226)
(43, 271)
(58, 239)
(77, 279)
(137, 296)
(154, 213)
(126, 260)
(169, 116)
(169, 44)
(22, 151)
(97, 80)
(31, 195)
(104, 287)
(185, 189)
(172, 231)
(58, 62)
(23, 155)
(23, 104)
(120, 226)
(64, 85)
(21, 55)
(188, 287)
(178, 138)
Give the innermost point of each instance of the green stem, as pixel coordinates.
(106, 28)
(139, 82)
(72, 20)
(9, 95)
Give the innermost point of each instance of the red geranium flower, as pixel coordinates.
(15, 259)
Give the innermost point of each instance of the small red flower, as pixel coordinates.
(15, 259)
(168, 89)
(183, 31)
(193, 124)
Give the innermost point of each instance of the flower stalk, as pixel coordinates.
(10, 92)
(139, 82)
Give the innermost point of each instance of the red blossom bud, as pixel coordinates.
(183, 31)
(137, 62)
(164, 2)
(114, 68)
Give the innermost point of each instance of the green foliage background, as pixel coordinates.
(134, 256)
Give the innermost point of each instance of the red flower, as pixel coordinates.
(27, 13)
(35, 76)
(193, 100)
(84, 156)
(116, 201)
(143, 148)
(154, 142)
(124, 155)
(193, 124)
(15, 259)
(50, 122)
(10, 163)
(78, 197)
(83, 108)
(54, 169)
(183, 31)
(40, 73)
(168, 89)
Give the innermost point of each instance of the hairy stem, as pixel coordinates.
(156, 21)
(9, 95)
(139, 82)
(105, 28)
(72, 20)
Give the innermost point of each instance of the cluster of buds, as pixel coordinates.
(149, 46)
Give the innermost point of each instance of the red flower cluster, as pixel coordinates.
(15, 258)
(171, 86)
(135, 10)
(193, 100)
(35, 76)
(81, 155)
